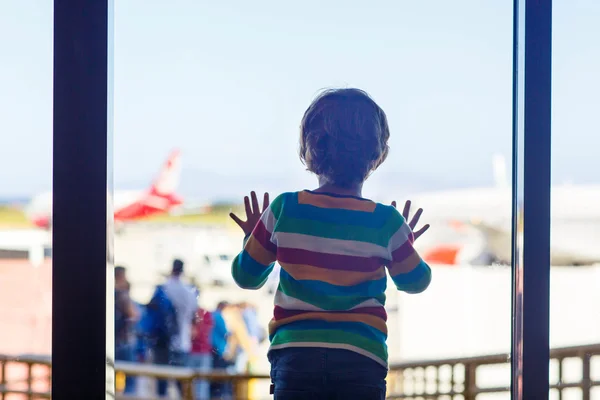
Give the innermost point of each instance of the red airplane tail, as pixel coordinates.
(161, 196)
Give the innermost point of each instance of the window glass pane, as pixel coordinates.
(208, 100)
(25, 199)
(575, 231)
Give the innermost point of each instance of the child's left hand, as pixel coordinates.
(253, 213)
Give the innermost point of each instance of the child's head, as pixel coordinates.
(343, 136)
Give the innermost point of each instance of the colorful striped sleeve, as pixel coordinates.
(408, 271)
(252, 266)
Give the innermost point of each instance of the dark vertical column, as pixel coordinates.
(79, 200)
(533, 279)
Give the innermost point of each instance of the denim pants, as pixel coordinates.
(126, 352)
(314, 373)
(201, 362)
(164, 356)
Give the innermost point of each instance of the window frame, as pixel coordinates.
(530, 347)
(79, 224)
(81, 137)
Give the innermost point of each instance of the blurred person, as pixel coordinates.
(222, 353)
(141, 332)
(328, 333)
(241, 346)
(160, 328)
(175, 306)
(257, 335)
(201, 358)
(256, 332)
(126, 315)
(144, 385)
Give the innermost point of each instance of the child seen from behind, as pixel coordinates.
(328, 332)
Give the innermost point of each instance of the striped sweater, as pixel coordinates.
(333, 251)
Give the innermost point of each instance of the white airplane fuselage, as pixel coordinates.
(575, 221)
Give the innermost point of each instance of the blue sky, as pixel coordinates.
(228, 83)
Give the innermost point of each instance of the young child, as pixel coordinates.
(328, 333)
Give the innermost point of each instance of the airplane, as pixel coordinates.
(473, 226)
(127, 205)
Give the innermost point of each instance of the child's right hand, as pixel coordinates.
(415, 220)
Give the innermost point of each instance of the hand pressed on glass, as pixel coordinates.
(253, 212)
(415, 220)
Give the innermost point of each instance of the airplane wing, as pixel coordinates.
(498, 241)
(499, 244)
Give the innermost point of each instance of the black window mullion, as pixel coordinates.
(79, 230)
(531, 257)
